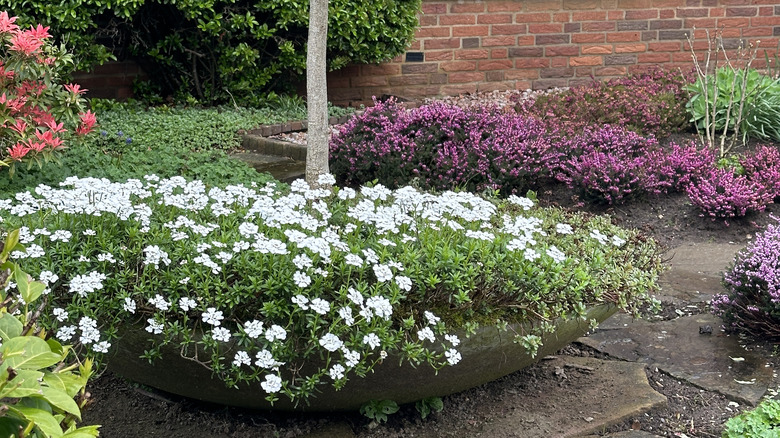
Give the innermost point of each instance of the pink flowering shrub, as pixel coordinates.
(721, 193)
(752, 300)
(608, 163)
(442, 146)
(649, 103)
(762, 166)
(672, 169)
(36, 111)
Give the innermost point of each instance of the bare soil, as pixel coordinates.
(128, 410)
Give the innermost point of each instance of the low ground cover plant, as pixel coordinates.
(763, 421)
(342, 276)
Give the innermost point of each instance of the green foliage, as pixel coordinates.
(379, 409)
(224, 50)
(761, 422)
(37, 385)
(167, 141)
(743, 102)
(428, 405)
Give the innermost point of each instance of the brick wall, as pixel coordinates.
(113, 80)
(469, 46)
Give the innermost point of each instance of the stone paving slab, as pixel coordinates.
(605, 393)
(695, 271)
(677, 348)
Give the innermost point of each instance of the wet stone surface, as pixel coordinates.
(695, 270)
(684, 349)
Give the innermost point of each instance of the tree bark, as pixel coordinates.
(317, 92)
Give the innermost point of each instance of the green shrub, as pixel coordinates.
(742, 102)
(220, 50)
(761, 422)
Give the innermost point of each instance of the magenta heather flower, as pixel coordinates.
(752, 300)
(762, 166)
(720, 193)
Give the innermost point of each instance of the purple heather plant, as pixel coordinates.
(673, 170)
(763, 167)
(649, 103)
(752, 301)
(721, 193)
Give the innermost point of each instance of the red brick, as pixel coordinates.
(498, 41)
(454, 90)
(522, 85)
(493, 76)
(630, 48)
(736, 22)
(553, 39)
(765, 11)
(610, 71)
(589, 16)
(419, 91)
(471, 54)
(692, 12)
(429, 20)
(493, 86)
(451, 43)
(642, 14)
(560, 72)
(448, 20)
(470, 43)
(565, 17)
(521, 74)
(499, 53)
(439, 78)
(545, 28)
(380, 70)
(682, 57)
(456, 78)
(634, 4)
(572, 27)
(583, 71)
(658, 58)
(494, 18)
(602, 49)
(408, 80)
(615, 15)
(598, 26)
(527, 40)
(427, 32)
(616, 37)
(588, 38)
(731, 32)
(578, 5)
(458, 66)
(457, 8)
(757, 32)
(717, 12)
(495, 65)
(699, 23)
(434, 8)
(543, 5)
(510, 6)
(742, 12)
(461, 31)
(439, 55)
(543, 84)
(538, 17)
(585, 60)
(667, 46)
(508, 29)
(764, 21)
(735, 2)
(665, 14)
(526, 52)
(668, 3)
(369, 81)
(532, 62)
(559, 62)
(561, 51)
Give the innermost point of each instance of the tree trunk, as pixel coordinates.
(317, 92)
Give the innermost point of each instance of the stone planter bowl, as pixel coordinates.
(486, 356)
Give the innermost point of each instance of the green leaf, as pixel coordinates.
(10, 327)
(70, 383)
(28, 352)
(83, 432)
(25, 384)
(9, 425)
(10, 243)
(61, 400)
(43, 420)
(30, 290)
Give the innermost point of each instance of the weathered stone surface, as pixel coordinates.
(595, 395)
(332, 430)
(676, 347)
(695, 271)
